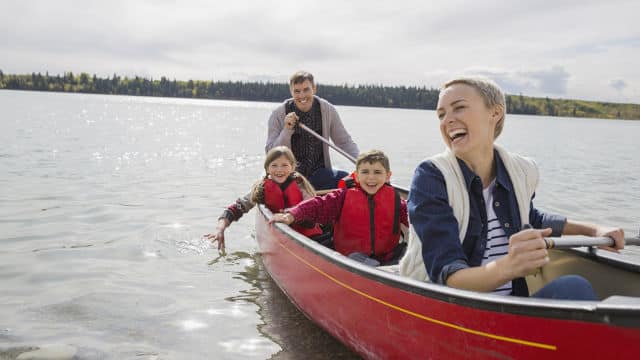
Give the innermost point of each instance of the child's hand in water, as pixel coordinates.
(219, 234)
(282, 218)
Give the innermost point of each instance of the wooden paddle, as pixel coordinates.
(403, 191)
(334, 147)
(578, 241)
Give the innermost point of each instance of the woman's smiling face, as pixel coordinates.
(467, 125)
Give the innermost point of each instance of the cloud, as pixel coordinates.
(540, 82)
(553, 81)
(618, 84)
(538, 48)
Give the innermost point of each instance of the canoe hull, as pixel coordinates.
(381, 317)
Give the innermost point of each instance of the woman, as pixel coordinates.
(471, 207)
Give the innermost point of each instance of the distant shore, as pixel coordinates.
(408, 97)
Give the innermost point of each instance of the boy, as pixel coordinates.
(366, 217)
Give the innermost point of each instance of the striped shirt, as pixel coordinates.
(497, 240)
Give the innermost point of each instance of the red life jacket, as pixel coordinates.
(278, 197)
(368, 224)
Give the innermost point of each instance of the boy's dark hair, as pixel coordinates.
(373, 156)
(301, 76)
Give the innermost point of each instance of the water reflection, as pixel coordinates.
(283, 323)
(189, 325)
(246, 347)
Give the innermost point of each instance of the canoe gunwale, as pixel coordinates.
(602, 256)
(626, 315)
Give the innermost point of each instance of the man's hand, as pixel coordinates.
(290, 120)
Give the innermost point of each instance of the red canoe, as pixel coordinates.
(381, 315)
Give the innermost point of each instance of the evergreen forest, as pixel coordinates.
(354, 95)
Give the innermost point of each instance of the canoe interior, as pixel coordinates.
(608, 276)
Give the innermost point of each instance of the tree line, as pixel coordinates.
(411, 97)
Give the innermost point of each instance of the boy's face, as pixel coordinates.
(372, 176)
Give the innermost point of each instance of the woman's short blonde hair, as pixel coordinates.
(490, 92)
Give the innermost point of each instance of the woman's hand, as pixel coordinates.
(587, 229)
(219, 235)
(527, 253)
(617, 234)
(286, 218)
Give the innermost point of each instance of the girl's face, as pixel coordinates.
(466, 124)
(280, 169)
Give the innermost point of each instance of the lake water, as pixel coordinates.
(105, 200)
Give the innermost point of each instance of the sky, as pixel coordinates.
(549, 48)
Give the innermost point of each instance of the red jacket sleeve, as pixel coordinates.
(404, 216)
(320, 209)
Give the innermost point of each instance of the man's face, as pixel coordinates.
(302, 94)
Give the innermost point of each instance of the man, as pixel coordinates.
(320, 116)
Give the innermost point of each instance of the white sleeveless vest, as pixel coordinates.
(523, 173)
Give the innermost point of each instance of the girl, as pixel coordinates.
(281, 188)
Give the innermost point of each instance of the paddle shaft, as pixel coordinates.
(552, 243)
(578, 241)
(342, 152)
